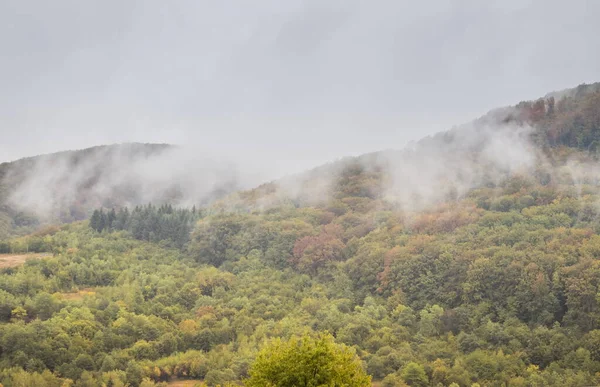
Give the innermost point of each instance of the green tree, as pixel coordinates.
(18, 314)
(95, 221)
(308, 362)
(85, 362)
(414, 375)
(108, 364)
(134, 373)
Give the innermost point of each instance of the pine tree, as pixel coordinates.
(110, 219)
(103, 221)
(95, 221)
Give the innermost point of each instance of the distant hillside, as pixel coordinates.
(67, 186)
(527, 138)
(548, 138)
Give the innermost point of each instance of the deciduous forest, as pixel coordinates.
(494, 285)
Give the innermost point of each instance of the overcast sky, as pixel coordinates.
(288, 84)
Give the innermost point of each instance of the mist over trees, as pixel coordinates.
(488, 277)
(68, 186)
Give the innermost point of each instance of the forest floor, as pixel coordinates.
(12, 260)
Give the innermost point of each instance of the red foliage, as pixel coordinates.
(315, 251)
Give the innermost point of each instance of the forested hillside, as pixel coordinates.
(67, 186)
(470, 259)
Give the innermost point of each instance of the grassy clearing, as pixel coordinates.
(12, 260)
(76, 296)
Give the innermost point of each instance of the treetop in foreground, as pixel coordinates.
(307, 362)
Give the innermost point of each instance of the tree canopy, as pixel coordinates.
(307, 362)
(493, 286)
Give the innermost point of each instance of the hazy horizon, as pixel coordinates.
(282, 86)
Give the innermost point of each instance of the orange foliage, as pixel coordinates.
(313, 252)
(445, 219)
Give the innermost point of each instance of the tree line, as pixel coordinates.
(149, 222)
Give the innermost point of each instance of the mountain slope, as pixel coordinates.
(67, 186)
(471, 257)
(544, 139)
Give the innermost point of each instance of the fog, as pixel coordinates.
(120, 175)
(437, 169)
(255, 92)
(450, 165)
(287, 85)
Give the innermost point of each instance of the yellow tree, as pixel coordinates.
(307, 362)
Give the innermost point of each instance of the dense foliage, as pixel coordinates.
(495, 289)
(149, 223)
(498, 287)
(307, 362)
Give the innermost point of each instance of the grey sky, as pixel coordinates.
(286, 84)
